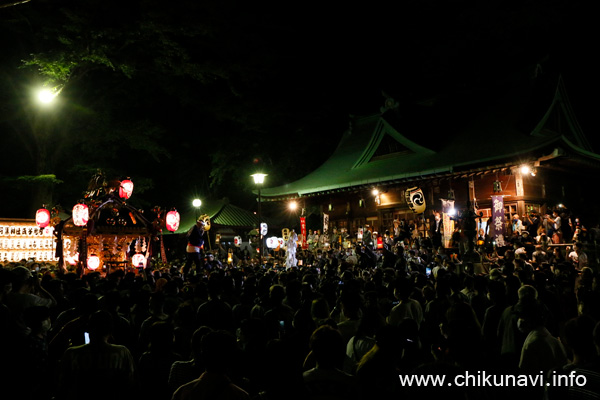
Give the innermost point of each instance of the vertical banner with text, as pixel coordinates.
(498, 220)
(303, 232)
(447, 222)
(325, 223)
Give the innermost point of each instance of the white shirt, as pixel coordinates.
(406, 309)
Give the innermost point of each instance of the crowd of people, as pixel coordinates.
(343, 324)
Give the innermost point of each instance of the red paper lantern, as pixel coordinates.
(172, 220)
(126, 189)
(379, 242)
(42, 217)
(81, 214)
(138, 259)
(93, 262)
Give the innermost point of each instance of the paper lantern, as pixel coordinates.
(81, 214)
(172, 220)
(93, 262)
(415, 199)
(272, 242)
(138, 259)
(126, 189)
(237, 241)
(42, 217)
(379, 242)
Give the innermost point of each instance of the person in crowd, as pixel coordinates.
(541, 351)
(377, 371)
(184, 371)
(219, 352)
(37, 319)
(364, 339)
(351, 311)
(582, 338)
(406, 307)
(326, 379)
(437, 230)
(97, 370)
(195, 246)
(556, 225)
(578, 257)
(154, 365)
(215, 313)
(27, 291)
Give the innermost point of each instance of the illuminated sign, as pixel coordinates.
(24, 240)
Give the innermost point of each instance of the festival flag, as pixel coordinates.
(498, 220)
(303, 232)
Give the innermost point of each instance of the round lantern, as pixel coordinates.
(237, 241)
(125, 189)
(272, 242)
(138, 259)
(42, 217)
(93, 262)
(379, 242)
(172, 220)
(81, 214)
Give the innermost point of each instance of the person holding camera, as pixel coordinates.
(532, 223)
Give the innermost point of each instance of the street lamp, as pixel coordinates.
(47, 95)
(293, 206)
(197, 203)
(259, 179)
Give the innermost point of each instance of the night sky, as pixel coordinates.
(189, 98)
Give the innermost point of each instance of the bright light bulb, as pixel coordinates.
(452, 212)
(375, 192)
(46, 95)
(293, 205)
(197, 202)
(525, 169)
(259, 178)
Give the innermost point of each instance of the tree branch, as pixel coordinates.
(14, 3)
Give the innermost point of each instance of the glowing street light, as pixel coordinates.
(46, 95)
(197, 203)
(293, 206)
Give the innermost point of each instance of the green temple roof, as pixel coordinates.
(508, 123)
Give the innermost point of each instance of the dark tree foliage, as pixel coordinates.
(190, 97)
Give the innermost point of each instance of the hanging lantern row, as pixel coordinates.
(126, 189)
(42, 218)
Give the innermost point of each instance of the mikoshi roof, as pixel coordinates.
(444, 135)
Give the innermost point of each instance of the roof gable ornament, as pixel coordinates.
(389, 104)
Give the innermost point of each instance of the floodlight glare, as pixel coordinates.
(46, 95)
